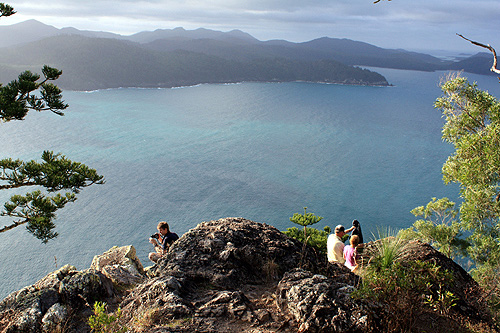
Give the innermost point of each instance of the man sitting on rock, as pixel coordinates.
(335, 246)
(162, 241)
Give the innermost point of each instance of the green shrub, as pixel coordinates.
(315, 238)
(102, 322)
(439, 227)
(407, 290)
(488, 277)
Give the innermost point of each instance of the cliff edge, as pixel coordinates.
(230, 275)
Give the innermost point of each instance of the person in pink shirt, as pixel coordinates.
(350, 253)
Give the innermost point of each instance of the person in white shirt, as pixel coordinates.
(335, 245)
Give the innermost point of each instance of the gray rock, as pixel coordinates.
(160, 296)
(88, 286)
(121, 265)
(232, 251)
(233, 304)
(55, 316)
(28, 320)
(319, 304)
(52, 280)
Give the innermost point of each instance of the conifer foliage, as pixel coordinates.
(305, 220)
(55, 173)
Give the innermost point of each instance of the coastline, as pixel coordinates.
(193, 85)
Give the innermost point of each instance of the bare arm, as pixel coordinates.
(350, 229)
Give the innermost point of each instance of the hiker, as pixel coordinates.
(335, 245)
(350, 253)
(161, 241)
(356, 230)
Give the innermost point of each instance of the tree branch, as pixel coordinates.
(10, 186)
(13, 225)
(6, 10)
(492, 50)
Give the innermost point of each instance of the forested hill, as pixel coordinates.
(97, 63)
(164, 58)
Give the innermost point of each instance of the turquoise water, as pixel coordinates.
(261, 151)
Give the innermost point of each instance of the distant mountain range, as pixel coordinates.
(175, 57)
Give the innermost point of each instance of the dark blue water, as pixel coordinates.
(261, 151)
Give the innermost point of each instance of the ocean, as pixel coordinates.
(261, 151)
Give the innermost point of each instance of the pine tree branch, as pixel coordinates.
(11, 186)
(13, 225)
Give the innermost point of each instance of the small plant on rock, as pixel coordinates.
(271, 270)
(102, 322)
(441, 301)
(305, 220)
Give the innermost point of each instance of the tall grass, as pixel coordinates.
(388, 248)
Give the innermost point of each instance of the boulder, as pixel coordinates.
(319, 304)
(53, 280)
(88, 286)
(22, 311)
(229, 304)
(219, 274)
(54, 318)
(121, 265)
(470, 301)
(234, 251)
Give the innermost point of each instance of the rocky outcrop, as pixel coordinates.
(64, 298)
(46, 305)
(230, 275)
(223, 276)
(229, 252)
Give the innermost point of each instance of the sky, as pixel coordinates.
(416, 25)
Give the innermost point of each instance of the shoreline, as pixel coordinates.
(182, 86)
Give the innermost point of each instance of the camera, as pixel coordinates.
(155, 236)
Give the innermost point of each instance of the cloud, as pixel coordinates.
(402, 22)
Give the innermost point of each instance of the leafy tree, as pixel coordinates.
(439, 226)
(473, 127)
(20, 96)
(56, 173)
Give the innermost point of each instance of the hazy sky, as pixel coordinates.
(409, 24)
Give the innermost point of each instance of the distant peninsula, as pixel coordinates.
(177, 57)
